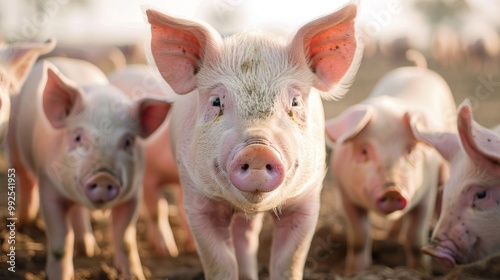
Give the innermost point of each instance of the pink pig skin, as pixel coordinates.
(72, 135)
(467, 230)
(16, 60)
(160, 168)
(382, 168)
(248, 133)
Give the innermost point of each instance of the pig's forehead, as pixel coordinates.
(257, 68)
(107, 106)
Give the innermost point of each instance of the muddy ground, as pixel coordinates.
(327, 253)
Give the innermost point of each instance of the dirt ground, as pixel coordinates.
(327, 253)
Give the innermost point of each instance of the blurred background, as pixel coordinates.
(460, 39)
(449, 31)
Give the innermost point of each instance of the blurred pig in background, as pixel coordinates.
(382, 168)
(467, 230)
(72, 141)
(16, 61)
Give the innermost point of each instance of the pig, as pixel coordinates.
(160, 168)
(16, 60)
(72, 142)
(467, 230)
(107, 57)
(247, 133)
(382, 169)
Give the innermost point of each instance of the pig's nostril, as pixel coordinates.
(269, 167)
(110, 188)
(245, 167)
(93, 186)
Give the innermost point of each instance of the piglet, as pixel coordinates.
(16, 60)
(467, 230)
(380, 166)
(72, 139)
(160, 168)
(247, 133)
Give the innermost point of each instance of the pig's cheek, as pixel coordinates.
(212, 114)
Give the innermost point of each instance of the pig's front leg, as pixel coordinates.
(245, 232)
(359, 242)
(59, 234)
(418, 231)
(210, 223)
(84, 237)
(159, 231)
(126, 255)
(293, 232)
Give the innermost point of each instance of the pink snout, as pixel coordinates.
(391, 201)
(101, 188)
(441, 253)
(256, 168)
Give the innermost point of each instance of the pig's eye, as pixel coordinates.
(481, 194)
(295, 102)
(128, 143)
(78, 138)
(216, 102)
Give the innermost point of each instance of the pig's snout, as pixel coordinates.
(440, 253)
(256, 168)
(391, 201)
(101, 188)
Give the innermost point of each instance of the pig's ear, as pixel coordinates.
(481, 144)
(179, 47)
(61, 97)
(446, 143)
(349, 123)
(18, 59)
(330, 47)
(151, 113)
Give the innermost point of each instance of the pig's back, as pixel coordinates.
(79, 71)
(420, 89)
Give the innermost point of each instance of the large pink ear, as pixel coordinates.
(446, 143)
(349, 123)
(179, 47)
(481, 144)
(18, 59)
(60, 97)
(152, 113)
(331, 48)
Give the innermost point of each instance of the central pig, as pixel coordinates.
(380, 165)
(248, 133)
